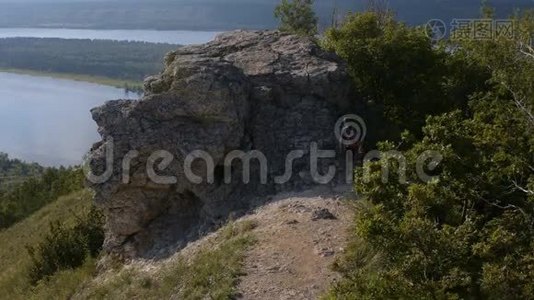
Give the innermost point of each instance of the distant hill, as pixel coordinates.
(13, 170)
(120, 60)
(214, 14)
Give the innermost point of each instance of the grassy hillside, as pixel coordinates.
(210, 272)
(14, 259)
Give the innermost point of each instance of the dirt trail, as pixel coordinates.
(299, 236)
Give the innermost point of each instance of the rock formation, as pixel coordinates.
(247, 90)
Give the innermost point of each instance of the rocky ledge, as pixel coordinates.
(265, 93)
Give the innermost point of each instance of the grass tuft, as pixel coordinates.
(213, 273)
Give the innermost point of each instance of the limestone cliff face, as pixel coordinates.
(247, 90)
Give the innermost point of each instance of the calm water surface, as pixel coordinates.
(153, 36)
(47, 120)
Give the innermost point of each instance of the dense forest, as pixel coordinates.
(14, 170)
(20, 200)
(112, 59)
(27, 187)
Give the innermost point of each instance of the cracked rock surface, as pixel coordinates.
(246, 90)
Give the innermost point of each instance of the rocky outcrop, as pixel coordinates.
(248, 90)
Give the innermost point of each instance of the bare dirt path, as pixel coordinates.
(299, 236)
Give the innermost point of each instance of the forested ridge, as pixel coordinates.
(27, 187)
(15, 167)
(123, 60)
(15, 170)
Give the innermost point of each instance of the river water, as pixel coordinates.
(47, 120)
(181, 37)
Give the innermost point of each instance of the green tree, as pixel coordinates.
(297, 16)
(468, 233)
(397, 71)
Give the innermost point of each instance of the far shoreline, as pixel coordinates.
(130, 85)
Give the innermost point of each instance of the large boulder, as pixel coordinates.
(247, 90)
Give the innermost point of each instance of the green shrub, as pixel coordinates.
(297, 16)
(66, 247)
(61, 249)
(91, 228)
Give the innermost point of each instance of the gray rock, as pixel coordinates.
(291, 222)
(322, 214)
(247, 90)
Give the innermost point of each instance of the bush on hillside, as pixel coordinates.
(67, 247)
